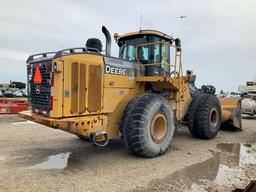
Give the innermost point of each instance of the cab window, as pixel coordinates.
(128, 46)
(153, 53)
(150, 48)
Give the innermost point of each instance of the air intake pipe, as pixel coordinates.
(108, 40)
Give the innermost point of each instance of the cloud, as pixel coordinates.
(13, 54)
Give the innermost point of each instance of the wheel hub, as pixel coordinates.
(213, 118)
(158, 127)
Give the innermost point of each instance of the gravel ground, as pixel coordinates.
(25, 146)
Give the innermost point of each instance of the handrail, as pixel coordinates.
(153, 64)
(42, 56)
(73, 51)
(50, 55)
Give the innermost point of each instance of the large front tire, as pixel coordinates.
(190, 116)
(207, 120)
(149, 126)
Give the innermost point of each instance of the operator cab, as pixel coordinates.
(148, 48)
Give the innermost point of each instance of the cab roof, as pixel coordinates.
(148, 32)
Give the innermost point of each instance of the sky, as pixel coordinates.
(218, 37)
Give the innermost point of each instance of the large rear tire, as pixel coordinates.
(207, 120)
(125, 118)
(148, 127)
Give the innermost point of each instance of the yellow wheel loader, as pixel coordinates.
(141, 96)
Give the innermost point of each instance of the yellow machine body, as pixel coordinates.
(89, 93)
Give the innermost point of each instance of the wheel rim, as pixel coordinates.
(213, 118)
(158, 127)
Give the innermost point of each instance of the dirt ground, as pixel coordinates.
(80, 166)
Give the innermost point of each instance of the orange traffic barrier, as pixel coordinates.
(12, 106)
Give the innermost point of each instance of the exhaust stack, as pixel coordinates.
(108, 40)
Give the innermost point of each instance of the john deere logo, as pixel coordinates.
(115, 70)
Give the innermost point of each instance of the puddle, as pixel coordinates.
(58, 161)
(237, 154)
(72, 159)
(233, 159)
(227, 169)
(232, 162)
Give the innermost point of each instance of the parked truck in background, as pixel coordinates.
(248, 93)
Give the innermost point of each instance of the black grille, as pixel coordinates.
(40, 95)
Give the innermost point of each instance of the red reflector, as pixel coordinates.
(51, 103)
(52, 80)
(38, 76)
